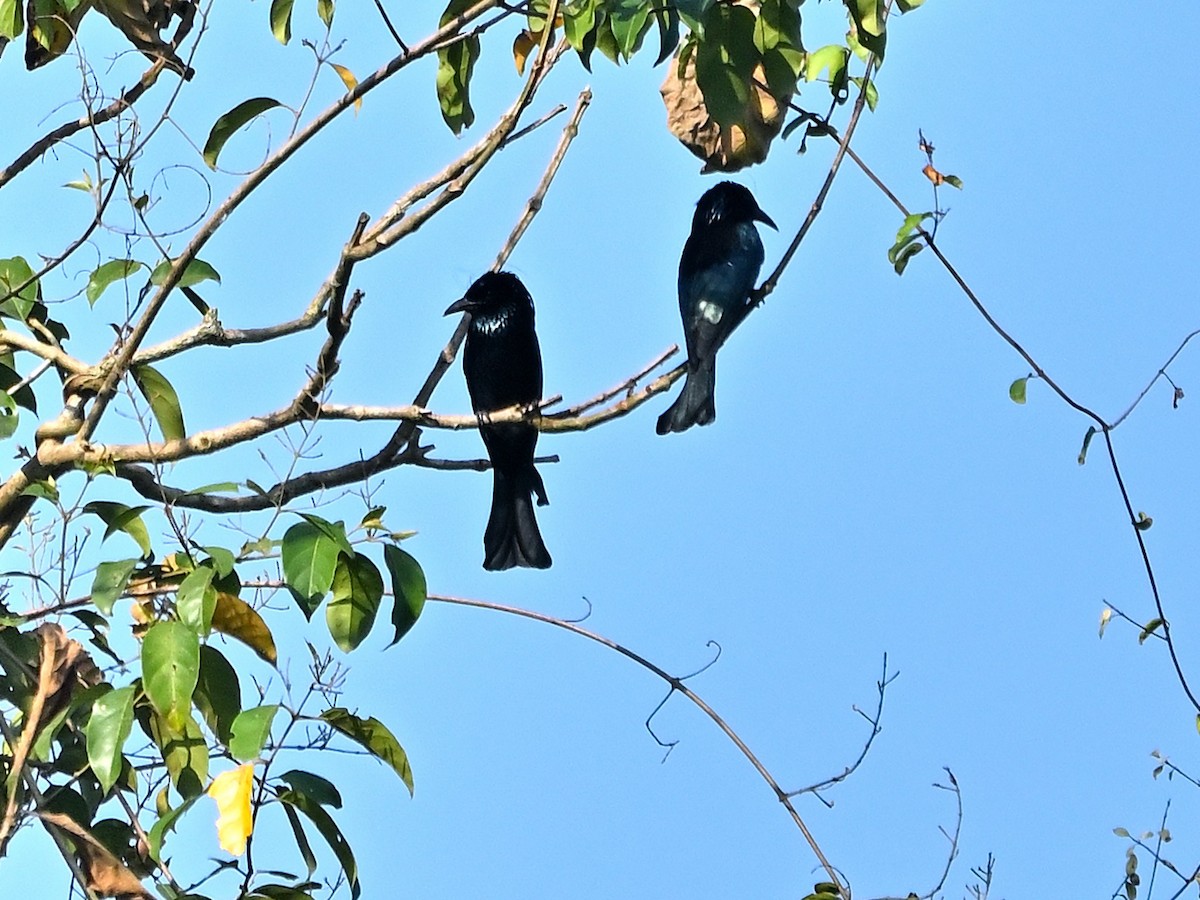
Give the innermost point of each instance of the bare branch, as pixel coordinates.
(90, 120)
(676, 684)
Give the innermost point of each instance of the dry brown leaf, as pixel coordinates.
(723, 150)
(934, 175)
(105, 873)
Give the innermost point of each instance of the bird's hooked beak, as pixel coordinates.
(461, 305)
(765, 219)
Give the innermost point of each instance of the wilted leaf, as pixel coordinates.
(231, 791)
(1105, 618)
(523, 44)
(1152, 626)
(349, 81)
(224, 128)
(1143, 522)
(238, 619)
(1087, 440)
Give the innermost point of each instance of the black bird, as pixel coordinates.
(717, 271)
(503, 365)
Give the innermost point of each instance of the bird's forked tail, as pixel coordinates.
(512, 537)
(695, 404)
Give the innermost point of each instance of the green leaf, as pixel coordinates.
(1121, 832)
(1016, 390)
(1087, 440)
(952, 180)
(107, 274)
(23, 395)
(1143, 522)
(281, 20)
(374, 735)
(185, 753)
(109, 582)
(630, 20)
(218, 694)
(224, 128)
(164, 402)
(867, 19)
(170, 670)
(222, 560)
(408, 587)
(313, 786)
(578, 21)
(11, 20)
(220, 487)
(667, 18)
(908, 5)
(335, 531)
(119, 517)
(15, 272)
(106, 732)
(357, 593)
(873, 100)
(197, 599)
(832, 57)
(455, 65)
(907, 252)
(9, 416)
(1152, 626)
(725, 62)
(309, 559)
(302, 844)
(325, 11)
(250, 731)
(166, 823)
(196, 272)
(333, 836)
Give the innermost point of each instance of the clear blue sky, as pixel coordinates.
(868, 487)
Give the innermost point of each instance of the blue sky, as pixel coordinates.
(868, 487)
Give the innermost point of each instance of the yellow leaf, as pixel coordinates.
(349, 81)
(524, 44)
(1104, 617)
(238, 619)
(231, 791)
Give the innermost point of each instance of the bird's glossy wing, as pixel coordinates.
(715, 281)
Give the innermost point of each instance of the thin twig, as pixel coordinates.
(676, 684)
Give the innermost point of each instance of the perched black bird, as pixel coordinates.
(503, 366)
(717, 270)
